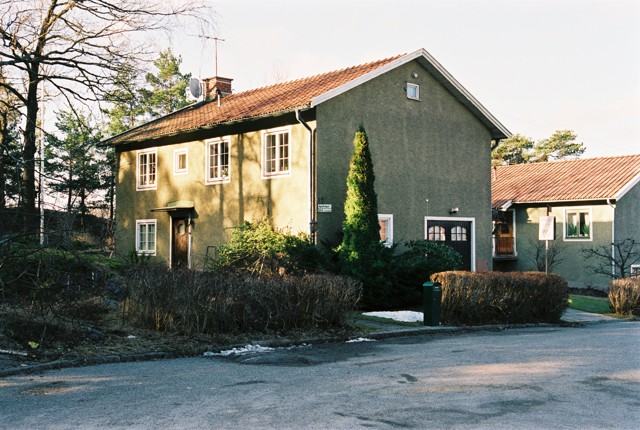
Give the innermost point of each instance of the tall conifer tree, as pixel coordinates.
(361, 229)
(362, 254)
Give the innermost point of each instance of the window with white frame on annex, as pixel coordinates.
(413, 91)
(218, 168)
(577, 224)
(436, 233)
(180, 161)
(275, 145)
(147, 162)
(146, 236)
(386, 229)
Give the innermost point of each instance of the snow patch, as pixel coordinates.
(360, 339)
(403, 316)
(248, 349)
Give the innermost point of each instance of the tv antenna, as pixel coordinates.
(215, 40)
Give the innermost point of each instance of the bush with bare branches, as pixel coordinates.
(188, 301)
(624, 295)
(470, 298)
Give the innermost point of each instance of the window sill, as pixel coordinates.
(276, 175)
(217, 181)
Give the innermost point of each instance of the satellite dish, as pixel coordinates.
(195, 88)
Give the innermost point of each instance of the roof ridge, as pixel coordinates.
(306, 92)
(317, 75)
(556, 162)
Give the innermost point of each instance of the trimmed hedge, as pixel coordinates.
(624, 295)
(470, 298)
(189, 301)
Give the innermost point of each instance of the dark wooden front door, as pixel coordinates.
(180, 243)
(456, 234)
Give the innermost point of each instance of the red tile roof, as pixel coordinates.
(572, 180)
(247, 104)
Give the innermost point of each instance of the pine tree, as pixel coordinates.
(168, 91)
(72, 162)
(519, 149)
(10, 153)
(559, 146)
(10, 149)
(126, 103)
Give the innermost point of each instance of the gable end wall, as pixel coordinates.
(434, 149)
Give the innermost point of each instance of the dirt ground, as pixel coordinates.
(24, 341)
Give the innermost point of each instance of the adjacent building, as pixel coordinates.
(594, 201)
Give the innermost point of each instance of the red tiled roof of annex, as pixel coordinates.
(570, 180)
(248, 104)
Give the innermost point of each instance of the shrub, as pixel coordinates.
(189, 301)
(501, 298)
(48, 286)
(624, 295)
(415, 266)
(260, 249)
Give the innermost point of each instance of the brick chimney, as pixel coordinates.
(211, 86)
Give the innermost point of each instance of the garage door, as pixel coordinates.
(455, 233)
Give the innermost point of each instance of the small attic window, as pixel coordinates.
(413, 91)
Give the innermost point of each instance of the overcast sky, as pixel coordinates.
(537, 65)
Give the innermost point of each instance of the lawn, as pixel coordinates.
(596, 305)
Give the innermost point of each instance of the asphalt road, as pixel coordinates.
(535, 378)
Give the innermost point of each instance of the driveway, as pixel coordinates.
(533, 378)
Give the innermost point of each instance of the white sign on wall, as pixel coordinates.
(324, 208)
(547, 228)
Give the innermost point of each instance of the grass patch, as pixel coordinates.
(596, 305)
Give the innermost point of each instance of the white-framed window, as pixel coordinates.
(458, 234)
(218, 167)
(413, 91)
(146, 236)
(386, 229)
(276, 152)
(635, 270)
(437, 233)
(180, 160)
(146, 169)
(578, 224)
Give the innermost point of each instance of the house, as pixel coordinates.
(283, 152)
(595, 202)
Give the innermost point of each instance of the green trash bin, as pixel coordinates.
(431, 299)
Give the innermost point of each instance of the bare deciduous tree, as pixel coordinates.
(614, 260)
(555, 256)
(77, 47)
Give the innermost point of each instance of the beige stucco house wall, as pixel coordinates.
(246, 196)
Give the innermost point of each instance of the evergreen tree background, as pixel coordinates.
(126, 105)
(168, 87)
(362, 254)
(519, 149)
(10, 148)
(10, 159)
(72, 162)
